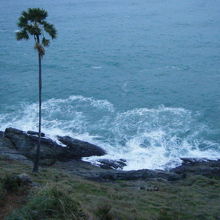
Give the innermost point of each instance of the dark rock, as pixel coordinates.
(1, 134)
(78, 149)
(50, 151)
(13, 155)
(7, 151)
(112, 164)
(19, 145)
(26, 144)
(137, 175)
(35, 133)
(194, 166)
(193, 161)
(5, 143)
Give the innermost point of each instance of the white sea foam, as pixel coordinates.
(145, 138)
(96, 67)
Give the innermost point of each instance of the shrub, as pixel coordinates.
(11, 183)
(50, 202)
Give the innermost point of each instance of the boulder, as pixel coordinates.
(112, 164)
(77, 148)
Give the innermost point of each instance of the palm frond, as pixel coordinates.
(50, 29)
(22, 22)
(22, 35)
(45, 42)
(34, 29)
(36, 14)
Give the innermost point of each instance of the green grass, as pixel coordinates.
(50, 202)
(60, 195)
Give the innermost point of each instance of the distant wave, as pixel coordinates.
(147, 138)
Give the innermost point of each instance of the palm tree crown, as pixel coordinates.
(32, 23)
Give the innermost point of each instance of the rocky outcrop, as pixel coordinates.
(25, 143)
(111, 164)
(88, 171)
(19, 145)
(195, 166)
(204, 167)
(144, 174)
(7, 150)
(78, 149)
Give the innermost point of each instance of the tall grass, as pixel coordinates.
(50, 202)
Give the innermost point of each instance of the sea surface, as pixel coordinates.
(140, 78)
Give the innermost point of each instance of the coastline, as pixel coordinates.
(20, 145)
(76, 188)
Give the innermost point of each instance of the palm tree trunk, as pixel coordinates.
(37, 158)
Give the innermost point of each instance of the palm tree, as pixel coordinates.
(32, 23)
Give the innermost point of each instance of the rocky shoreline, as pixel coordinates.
(67, 153)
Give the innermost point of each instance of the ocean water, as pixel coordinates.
(139, 78)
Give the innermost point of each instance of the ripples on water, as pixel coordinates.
(155, 64)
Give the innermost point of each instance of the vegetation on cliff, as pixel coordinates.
(56, 194)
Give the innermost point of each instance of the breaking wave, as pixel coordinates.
(146, 138)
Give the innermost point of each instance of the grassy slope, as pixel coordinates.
(62, 196)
